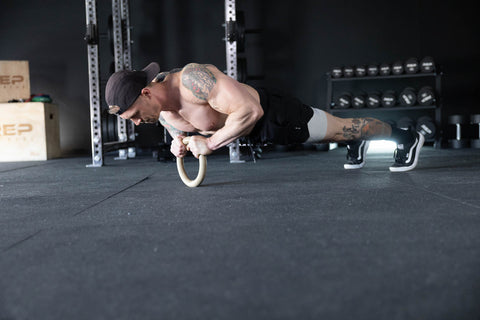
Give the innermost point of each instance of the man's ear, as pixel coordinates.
(146, 92)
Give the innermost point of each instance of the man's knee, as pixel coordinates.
(317, 126)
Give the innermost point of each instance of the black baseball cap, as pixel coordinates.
(124, 87)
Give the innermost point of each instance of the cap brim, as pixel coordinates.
(151, 70)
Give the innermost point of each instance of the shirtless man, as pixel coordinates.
(201, 99)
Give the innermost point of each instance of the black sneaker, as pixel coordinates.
(406, 155)
(356, 152)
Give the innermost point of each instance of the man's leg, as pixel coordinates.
(356, 133)
(326, 127)
(355, 130)
(349, 129)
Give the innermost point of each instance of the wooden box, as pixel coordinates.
(29, 131)
(14, 80)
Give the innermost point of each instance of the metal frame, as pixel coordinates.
(230, 43)
(232, 68)
(127, 62)
(122, 57)
(94, 77)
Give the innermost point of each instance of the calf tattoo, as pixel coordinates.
(199, 80)
(366, 128)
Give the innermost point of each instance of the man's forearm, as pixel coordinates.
(220, 139)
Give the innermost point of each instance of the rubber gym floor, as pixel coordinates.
(293, 236)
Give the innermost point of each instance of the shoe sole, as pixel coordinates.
(421, 141)
(348, 166)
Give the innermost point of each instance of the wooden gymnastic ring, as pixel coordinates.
(202, 169)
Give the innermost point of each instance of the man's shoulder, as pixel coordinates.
(199, 79)
(198, 65)
(194, 68)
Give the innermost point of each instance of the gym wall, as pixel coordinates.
(49, 34)
(305, 39)
(301, 41)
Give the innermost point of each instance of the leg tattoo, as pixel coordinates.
(366, 129)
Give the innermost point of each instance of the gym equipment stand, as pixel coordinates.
(122, 55)
(231, 38)
(437, 107)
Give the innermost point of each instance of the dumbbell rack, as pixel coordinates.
(436, 108)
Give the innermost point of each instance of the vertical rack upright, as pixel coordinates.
(122, 55)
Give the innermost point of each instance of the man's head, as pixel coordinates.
(124, 87)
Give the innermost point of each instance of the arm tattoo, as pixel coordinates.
(366, 128)
(199, 80)
(173, 131)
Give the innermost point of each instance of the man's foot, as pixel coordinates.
(356, 151)
(406, 155)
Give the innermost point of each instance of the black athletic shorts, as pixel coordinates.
(284, 121)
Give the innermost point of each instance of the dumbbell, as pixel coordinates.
(426, 96)
(427, 65)
(337, 72)
(411, 65)
(475, 121)
(407, 97)
(344, 101)
(389, 99)
(348, 72)
(360, 71)
(385, 69)
(358, 101)
(397, 67)
(406, 123)
(372, 70)
(457, 121)
(373, 100)
(426, 126)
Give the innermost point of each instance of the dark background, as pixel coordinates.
(301, 41)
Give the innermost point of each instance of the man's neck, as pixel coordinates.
(167, 96)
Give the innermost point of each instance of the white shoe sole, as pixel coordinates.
(421, 141)
(354, 166)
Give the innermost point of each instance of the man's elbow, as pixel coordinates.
(257, 114)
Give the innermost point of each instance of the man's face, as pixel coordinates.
(141, 112)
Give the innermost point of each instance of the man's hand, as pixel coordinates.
(178, 149)
(198, 145)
